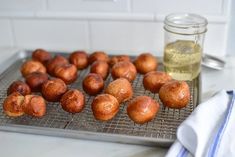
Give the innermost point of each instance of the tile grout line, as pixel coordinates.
(13, 35)
(130, 6)
(129, 16)
(89, 36)
(45, 5)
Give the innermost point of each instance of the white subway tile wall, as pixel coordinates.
(6, 38)
(22, 5)
(130, 26)
(214, 7)
(89, 5)
(129, 36)
(51, 34)
(215, 39)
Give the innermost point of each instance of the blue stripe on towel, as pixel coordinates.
(183, 152)
(215, 145)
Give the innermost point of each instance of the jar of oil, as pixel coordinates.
(184, 36)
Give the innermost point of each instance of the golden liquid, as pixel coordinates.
(182, 59)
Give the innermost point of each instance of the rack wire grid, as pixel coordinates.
(161, 129)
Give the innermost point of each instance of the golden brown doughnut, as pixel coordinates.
(67, 72)
(153, 80)
(98, 55)
(119, 58)
(145, 63)
(73, 101)
(175, 94)
(100, 67)
(142, 109)
(58, 60)
(41, 55)
(121, 89)
(12, 105)
(79, 59)
(93, 84)
(34, 105)
(35, 80)
(20, 87)
(31, 66)
(53, 89)
(124, 69)
(104, 107)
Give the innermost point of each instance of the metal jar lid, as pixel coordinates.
(212, 62)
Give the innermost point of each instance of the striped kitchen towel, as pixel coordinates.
(209, 131)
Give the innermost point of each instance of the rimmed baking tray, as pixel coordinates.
(161, 131)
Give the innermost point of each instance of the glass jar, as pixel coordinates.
(184, 37)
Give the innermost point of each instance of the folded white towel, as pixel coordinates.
(209, 131)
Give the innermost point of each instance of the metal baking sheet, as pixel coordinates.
(160, 131)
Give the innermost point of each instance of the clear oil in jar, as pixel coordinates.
(182, 59)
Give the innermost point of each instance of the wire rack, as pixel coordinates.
(161, 128)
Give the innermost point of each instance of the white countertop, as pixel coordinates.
(26, 145)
